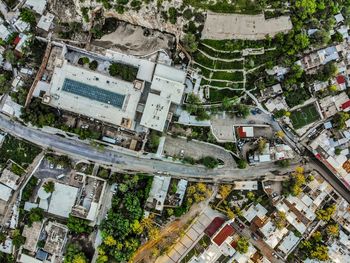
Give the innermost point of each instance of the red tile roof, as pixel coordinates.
(345, 105)
(234, 244)
(241, 133)
(225, 232)
(214, 226)
(340, 79)
(16, 41)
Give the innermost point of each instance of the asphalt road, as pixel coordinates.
(123, 160)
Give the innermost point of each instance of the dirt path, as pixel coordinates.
(145, 251)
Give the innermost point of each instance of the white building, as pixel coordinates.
(62, 200)
(38, 6)
(167, 87)
(46, 21)
(158, 193)
(288, 243)
(4, 32)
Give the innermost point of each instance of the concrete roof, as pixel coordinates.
(32, 236)
(90, 107)
(28, 259)
(9, 179)
(253, 211)
(288, 243)
(167, 87)
(37, 5)
(158, 192)
(5, 192)
(156, 112)
(246, 185)
(56, 239)
(45, 21)
(62, 200)
(4, 32)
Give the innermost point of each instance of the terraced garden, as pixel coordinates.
(226, 66)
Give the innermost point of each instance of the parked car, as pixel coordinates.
(114, 188)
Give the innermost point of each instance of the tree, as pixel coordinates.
(280, 134)
(194, 106)
(251, 196)
(10, 56)
(210, 162)
(170, 212)
(27, 15)
(320, 253)
(340, 120)
(154, 140)
(242, 245)
(333, 230)
(317, 237)
(35, 214)
(93, 65)
(49, 187)
(283, 163)
(225, 190)
(302, 41)
(172, 15)
(2, 238)
(321, 37)
(280, 219)
(74, 254)
(337, 37)
(326, 214)
(332, 88)
(230, 214)
(109, 241)
(242, 110)
(261, 145)
(337, 151)
(4, 84)
(228, 103)
(17, 238)
(190, 42)
(125, 72)
(78, 225)
(305, 8)
(241, 164)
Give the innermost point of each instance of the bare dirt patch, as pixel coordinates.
(136, 40)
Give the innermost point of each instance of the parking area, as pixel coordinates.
(181, 147)
(50, 170)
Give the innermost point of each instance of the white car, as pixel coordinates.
(114, 188)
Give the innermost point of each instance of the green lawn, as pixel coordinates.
(304, 116)
(19, 151)
(230, 76)
(217, 95)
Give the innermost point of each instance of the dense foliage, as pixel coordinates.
(122, 227)
(78, 225)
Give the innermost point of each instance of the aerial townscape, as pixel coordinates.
(164, 131)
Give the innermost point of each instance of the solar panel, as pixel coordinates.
(93, 93)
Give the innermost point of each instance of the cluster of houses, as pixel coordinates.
(275, 239)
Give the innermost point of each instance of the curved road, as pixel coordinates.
(122, 160)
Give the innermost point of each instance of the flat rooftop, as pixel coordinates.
(156, 112)
(167, 87)
(62, 200)
(238, 26)
(93, 94)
